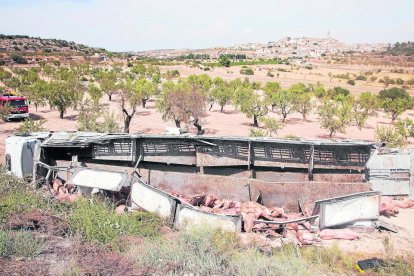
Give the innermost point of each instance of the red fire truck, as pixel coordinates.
(18, 105)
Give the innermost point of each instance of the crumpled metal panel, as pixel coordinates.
(188, 217)
(152, 200)
(348, 209)
(100, 179)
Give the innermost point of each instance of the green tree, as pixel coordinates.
(146, 89)
(139, 69)
(271, 89)
(170, 103)
(63, 94)
(107, 82)
(335, 115)
(364, 106)
(224, 61)
(395, 101)
(220, 93)
(284, 102)
(250, 103)
(301, 99)
(95, 93)
(37, 93)
(130, 97)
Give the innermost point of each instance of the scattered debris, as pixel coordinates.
(369, 264)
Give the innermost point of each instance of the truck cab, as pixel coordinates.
(18, 104)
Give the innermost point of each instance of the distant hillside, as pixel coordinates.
(403, 48)
(26, 44)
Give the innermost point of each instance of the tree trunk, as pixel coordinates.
(221, 109)
(200, 131)
(110, 97)
(177, 123)
(255, 122)
(35, 107)
(273, 108)
(331, 133)
(61, 112)
(211, 106)
(304, 116)
(144, 102)
(284, 117)
(127, 122)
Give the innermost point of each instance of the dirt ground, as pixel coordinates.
(320, 73)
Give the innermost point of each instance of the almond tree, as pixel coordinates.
(130, 97)
(270, 91)
(107, 82)
(251, 104)
(301, 99)
(220, 93)
(335, 114)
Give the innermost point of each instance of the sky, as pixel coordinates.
(134, 25)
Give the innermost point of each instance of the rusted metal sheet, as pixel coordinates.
(273, 193)
(287, 194)
(339, 177)
(188, 217)
(348, 209)
(191, 184)
(272, 176)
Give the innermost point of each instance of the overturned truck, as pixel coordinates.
(151, 171)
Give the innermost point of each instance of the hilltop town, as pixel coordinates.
(302, 47)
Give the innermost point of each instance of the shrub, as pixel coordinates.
(270, 74)
(203, 251)
(256, 132)
(247, 71)
(19, 59)
(97, 222)
(21, 243)
(271, 125)
(390, 135)
(5, 112)
(30, 125)
(93, 118)
(351, 82)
